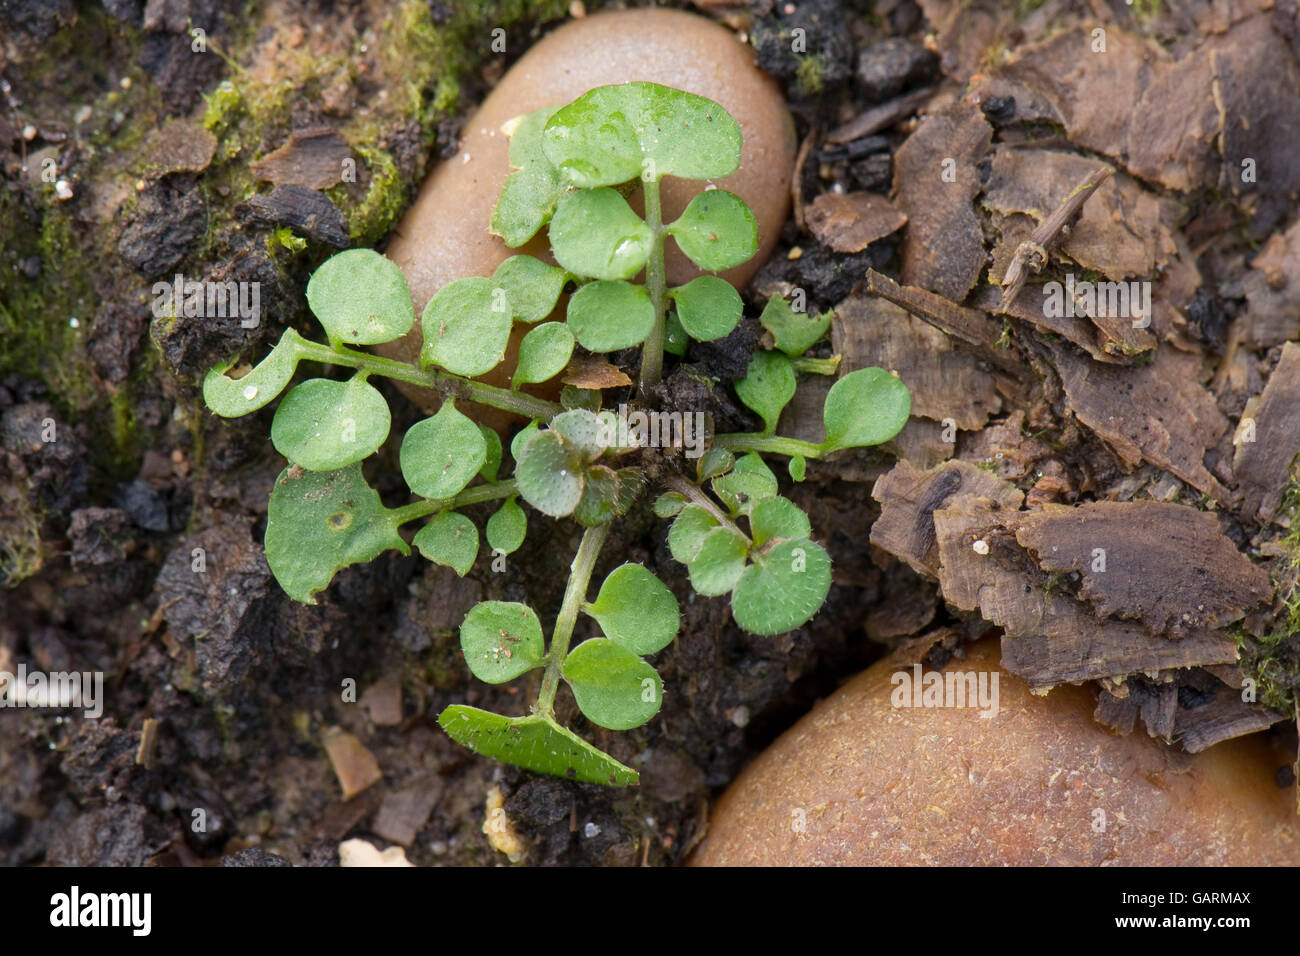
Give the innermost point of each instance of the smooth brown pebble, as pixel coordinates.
(870, 784)
(445, 235)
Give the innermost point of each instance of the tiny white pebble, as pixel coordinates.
(62, 189)
(82, 114)
(981, 546)
(740, 716)
(591, 830)
(29, 132)
(74, 322)
(124, 82)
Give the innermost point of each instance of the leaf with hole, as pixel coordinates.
(718, 565)
(614, 688)
(466, 327)
(534, 743)
(361, 297)
(708, 307)
(595, 233)
(716, 230)
(233, 397)
(794, 332)
(528, 198)
(449, 539)
(750, 481)
(531, 286)
(608, 316)
(543, 353)
(441, 454)
(549, 474)
(777, 518)
(686, 536)
(339, 514)
(501, 640)
(783, 589)
(767, 387)
(322, 425)
(615, 133)
(635, 609)
(866, 407)
(507, 527)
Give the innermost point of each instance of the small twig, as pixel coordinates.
(881, 117)
(1031, 255)
(796, 182)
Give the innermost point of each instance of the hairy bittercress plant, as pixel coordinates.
(574, 168)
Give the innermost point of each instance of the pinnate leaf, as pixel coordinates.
(322, 424)
(614, 688)
(866, 407)
(635, 609)
(449, 539)
(441, 454)
(501, 640)
(716, 230)
(361, 297)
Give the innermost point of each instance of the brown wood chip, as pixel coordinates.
(936, 177)
(1159, 412)
(312, 158)
(404, 813)
(849, 222)
(354, 765)
(1265, 452)
(908, 499)
(1222, 718)
(180, 146)
(1050, 637)
(1166, 565)
(945, 382)
(383, 700)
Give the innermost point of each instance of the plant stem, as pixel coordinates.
(817, 366)
(444, 382)
(774, 444)
(470, 496)
(652, 351)
(575, 595)
(697, 496)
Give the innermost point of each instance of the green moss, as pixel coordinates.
(809, 77)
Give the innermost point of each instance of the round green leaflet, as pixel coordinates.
(608, 316)
(767, 387)
(492, 453)
(449, 539)
(714, 462)
(544, 353)
(529, 195)
(442, 454)
(614, 688)
(532, 287)
(686, 536)
(749, 481)
(233, 397)
(708, 307)
(466, 327)
(361, 297)
(549, 474)
(615, 133)
(670, 504)
(720, 561)
(866, 407)
(600, 498)
(595, 233)
(777, 518)
(322, 424)
(338, 513)
(783, 589)
(716, 230)
(590, 433)
(522, 438)
(798, 467)
(635, 609)
(501, 640)
(794, 332)
(507, 527)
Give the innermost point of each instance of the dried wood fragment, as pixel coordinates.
(312, 158)
(1158, 412)
(849, 222)
(1268, 443)
(909, 497)
(1222, 718)
(354, 765)
(881, 117)
(1166, 565)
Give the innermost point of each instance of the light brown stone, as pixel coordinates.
(870, 784)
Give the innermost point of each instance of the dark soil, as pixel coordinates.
(131, 520)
